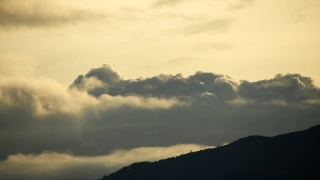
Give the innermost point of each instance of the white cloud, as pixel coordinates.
(46, 97)
(58, 165)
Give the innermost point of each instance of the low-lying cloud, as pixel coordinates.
(51, 165)
(47, 97)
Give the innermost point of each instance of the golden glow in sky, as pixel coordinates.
(87, 87)
(245, 39)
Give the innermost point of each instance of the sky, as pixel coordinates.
(87, 87)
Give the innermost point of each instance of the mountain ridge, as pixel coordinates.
(293, 155)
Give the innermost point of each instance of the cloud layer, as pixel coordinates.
(102, 111)
(105, 80)
(290, 88)
(50, 165)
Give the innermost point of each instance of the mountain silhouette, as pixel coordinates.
(289, 156)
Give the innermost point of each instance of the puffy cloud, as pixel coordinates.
(218, 93)
(47, 97)
(29, 108)
(51, 165)
(34, 13)
(290, 88)
(102, 111)
(105, 80)
(99, 81)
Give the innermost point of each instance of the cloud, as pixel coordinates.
(102, 110)
(47, 97)
(213, 46)
(214, 26)
(163, 3)
(220, 25)
(301, 13)
(289, 88)
(51, 165)
(105, 80)
(240, 5)
(36, 13)
(32, 107)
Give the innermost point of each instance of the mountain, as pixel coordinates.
(289, 156)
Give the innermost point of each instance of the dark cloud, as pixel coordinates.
(108, 81)
(219, 100)
(220, 25)
(288, 88)
(103, 111)
(35, 13)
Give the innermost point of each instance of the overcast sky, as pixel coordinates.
(87, 87)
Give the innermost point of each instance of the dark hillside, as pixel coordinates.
(289, 156)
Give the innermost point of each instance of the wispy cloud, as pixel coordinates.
(220, 25)
(163, 3)
(301, 13)
(240, 5)
(33, 13)
(212, 46)
(213, 26)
